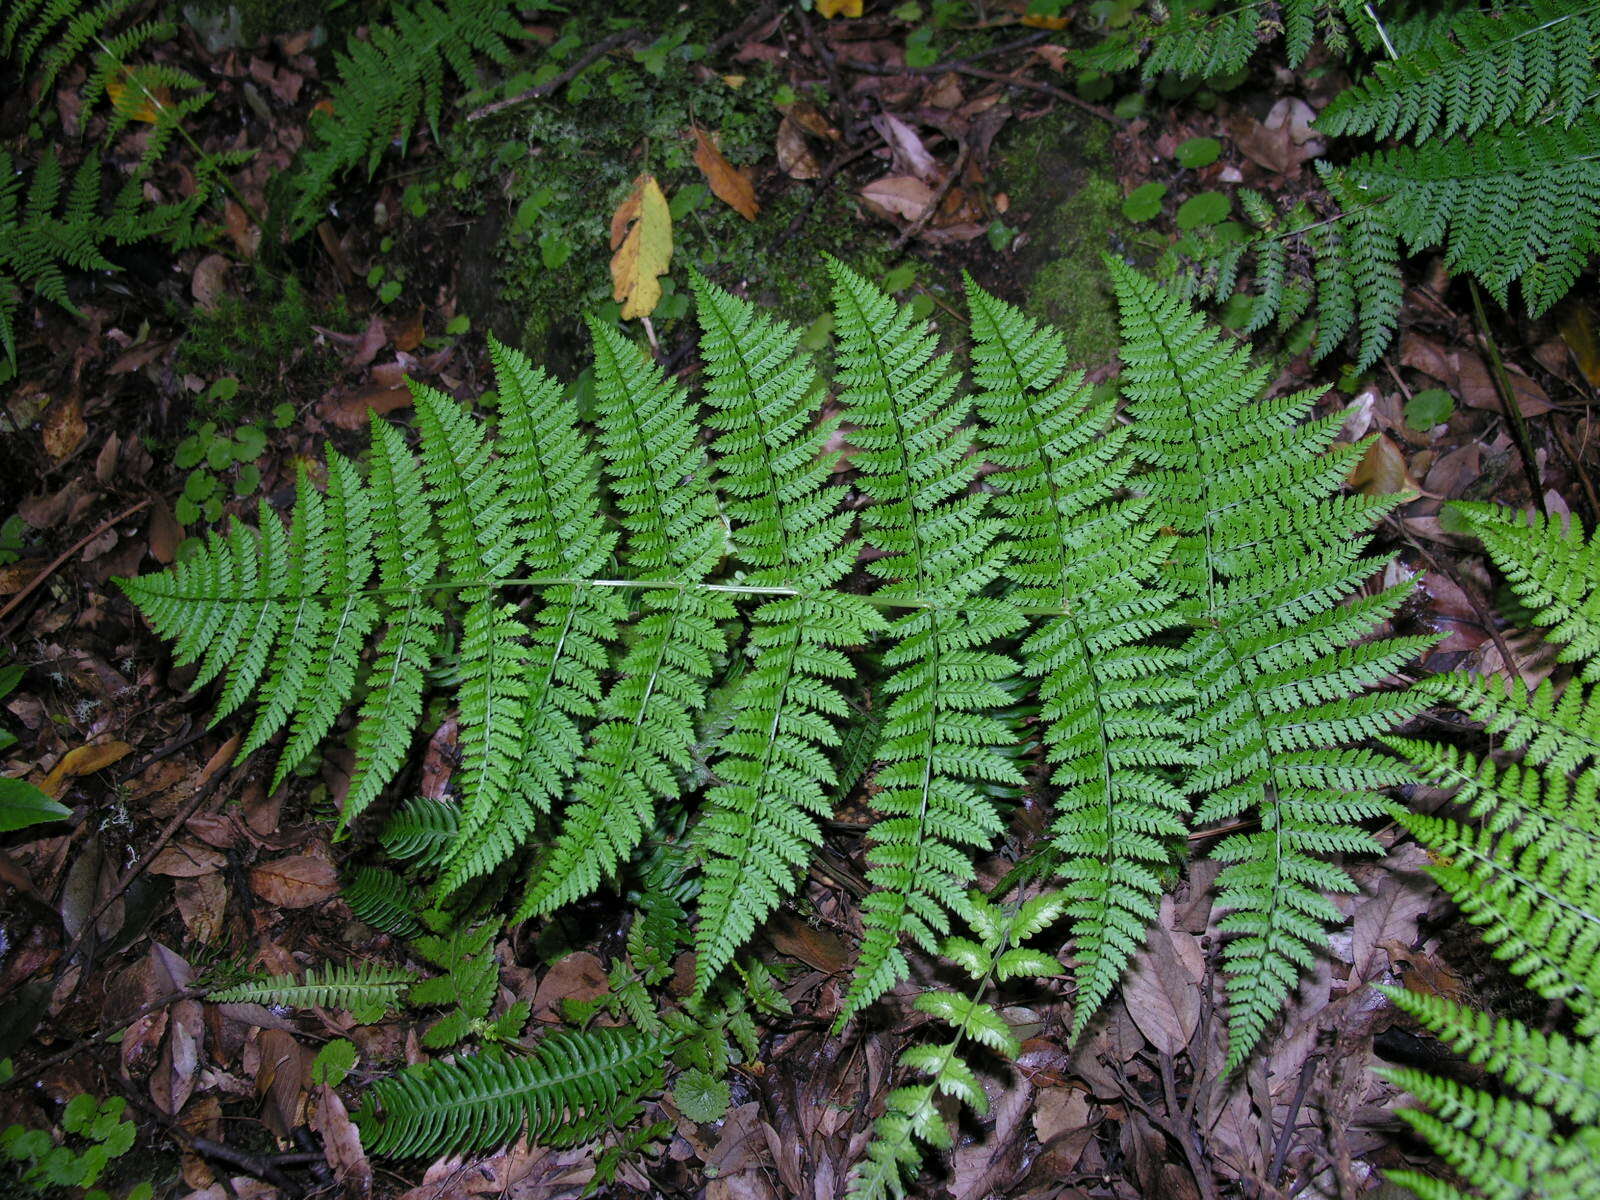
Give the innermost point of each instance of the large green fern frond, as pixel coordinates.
(760, 824)
(368, 990)
(939, 547)
(564, 1092)
(1198, 39)
(1266, 552)
(659, 476)
(1495, 66)
(1080, 547)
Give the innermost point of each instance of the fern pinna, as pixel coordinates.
(1266, 558)
(594, 584)
(1520, 863)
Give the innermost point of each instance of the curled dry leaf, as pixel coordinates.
(899, 196)
(82, 760)
(296, 881)
(795, 157)
(341, 1143)
(729, 183)
(64, 429)
(173, 1080)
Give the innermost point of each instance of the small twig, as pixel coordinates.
(830, 63)
(540, 90)
(181, 742)
(33, 584)
(960, 68)
(1185, 1132)
(264, 1167)
(1484, 616)
(835, 165)
(1576, 459)
(1508, 400)
(100, 1035)
(916, 227)
(1280, 1154)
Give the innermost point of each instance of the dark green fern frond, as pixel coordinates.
(552, 516)
(1199, 39)
(422, 832)
(761, 821)
(1080, 548)
(563, 1093)
(45, 36)
(1554, 569)
(1494, 67)
(1266, 553)
(913, 1116)
(391, 81)
(385, 901)
(367, 990)
(1518, 205)
(659, 477)
(939, 547)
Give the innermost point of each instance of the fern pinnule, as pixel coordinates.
(1264, 556)
(385, 901)
(761, 820)
(367, 990)
(1080, 548)
(564, 1092)
(940, 547)
(422, 831)
(659, 477)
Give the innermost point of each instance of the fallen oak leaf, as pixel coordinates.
(641, 241)
(728, 183)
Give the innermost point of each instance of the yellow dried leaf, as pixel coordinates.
(838, 8)
(82, 760)
(136, 103)
(730, 185)
(641, 242)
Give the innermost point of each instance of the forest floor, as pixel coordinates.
(195, 383)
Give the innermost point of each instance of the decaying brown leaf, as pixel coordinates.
(296, 881)
(729, 183)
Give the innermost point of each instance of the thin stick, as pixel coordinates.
(916, 227)
(1508, 399)
(100, 1035)
(55, 566)
(540, 90)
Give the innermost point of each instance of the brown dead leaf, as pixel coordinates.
(83, 760)
(579, 976)
(295, 881)
(1398, 898)
(173, 1080)
(1578, 332)
(202, 903)
(105, 462)
(729, 183)
(795, 157)
(187, 860)
(899, 196)
(341, 1143)
(1162, 989)
(817, 948)
(910, 156)
(210, 281)
(1382, 470)
(407, 334)
(246, 237)
(350, 411)
(64, 429)
(281, 1079)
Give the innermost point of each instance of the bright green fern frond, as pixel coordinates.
(912, 1115)
(658, 475)
(563, 1093)
(551, 479)
(367, 990)
(1494, 67)
(939, 546)
(1554, 570)
(388, 83)
(1520, 204)
(761, 821)
(1265, 555)
(1080, 548)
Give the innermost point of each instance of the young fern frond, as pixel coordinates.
(912, 1115)
(422, 831)
(760, 824)
(1494, 67)
(389, 82)
(1078, 545)
(563, 1093)
(659, 475)
(940, 548)
(366, 990)
(1554, 570)
(1264, 557)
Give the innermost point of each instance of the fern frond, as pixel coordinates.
(912, 1115)
(1554, 570)
(385, 901)
(761, 821)
(939, 547)
(1518, 205)
(390, 82)
(1265, 555)
(1199, 39)
(422, 831)
(1493, 67)
(658, 475)
(367, 990)
(563, 1093)
(1079, 547)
